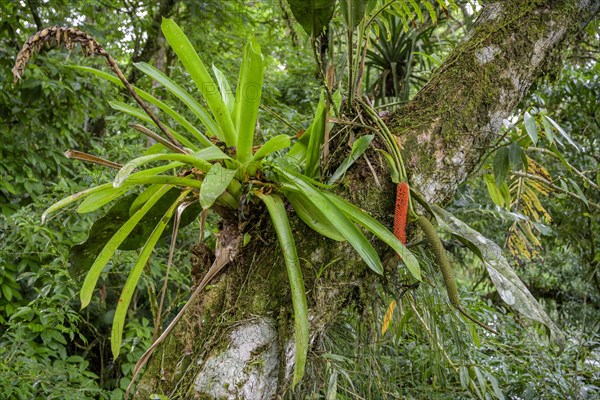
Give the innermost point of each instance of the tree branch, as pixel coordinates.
(451, 122)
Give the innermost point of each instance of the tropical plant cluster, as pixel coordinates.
(167, 153)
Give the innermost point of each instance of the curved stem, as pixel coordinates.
(89, 45)
(446, 269)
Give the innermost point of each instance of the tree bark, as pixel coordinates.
(237, 341)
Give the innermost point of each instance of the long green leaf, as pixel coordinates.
(73, 198)
(136, 112)
(312, 215)
(247, 100)
(87, 289)
(548, 130)
(165, 180)
(335, 217)
(98, 199)
(510, 287)
(200, 112)
(317, 137)
(164, 107)
(195, 67)
(224, 199)
(394, 173)
(84, 193)
(274, 144)
(375, 227)
(199, 160)
(298, 151)
(562, 132)
(580, 192)
(134, 276)
(288, 247)
(225, 89)
(359, 146)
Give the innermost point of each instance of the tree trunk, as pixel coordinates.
(237, 340)
(154, 35)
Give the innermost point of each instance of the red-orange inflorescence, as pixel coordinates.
(401, 211)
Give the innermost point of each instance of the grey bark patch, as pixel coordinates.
(247, 368)
(486, 54)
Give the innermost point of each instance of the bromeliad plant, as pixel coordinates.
(216, 165)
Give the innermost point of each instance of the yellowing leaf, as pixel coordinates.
(387, 318)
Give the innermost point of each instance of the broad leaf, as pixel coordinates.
(335, 217)
(214, 184)
(516, 157)
(375, 227)
(353, 12)
(501, 165)
(134, 276)
(87, 289)
(312, 215)
(247, 100)
(530, 127)
(82, 256)
(225, 89)
(280, 220)
(510, 288)
(199, 160)
(359, 146)
(143, 198)
(274, 144)
(499, 194)
(177, 91)
(195, 67)
(313, 15)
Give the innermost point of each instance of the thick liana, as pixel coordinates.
(442, 261)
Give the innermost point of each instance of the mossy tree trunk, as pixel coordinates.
(237, 340)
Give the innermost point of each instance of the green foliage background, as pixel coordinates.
(50, 349)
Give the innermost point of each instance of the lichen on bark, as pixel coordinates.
(449, 125)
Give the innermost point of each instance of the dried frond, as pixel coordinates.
(56, 35)
(70, 37)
